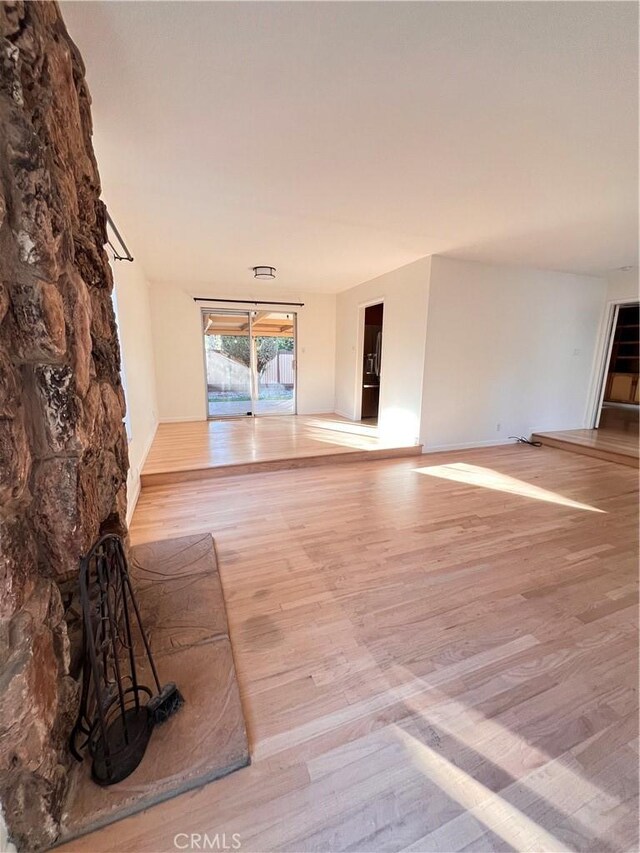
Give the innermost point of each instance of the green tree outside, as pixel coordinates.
(238, 348)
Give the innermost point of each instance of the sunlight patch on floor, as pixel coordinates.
(488, 738)
(354, 442)
(493, 734)
(351, 427)
(487, 478)
(499, 816)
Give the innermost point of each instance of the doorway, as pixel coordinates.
(371, 362)
(250, 363)
(620, 387)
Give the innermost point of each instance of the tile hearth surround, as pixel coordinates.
(178, 588)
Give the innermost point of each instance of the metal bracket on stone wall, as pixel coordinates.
(117, 256)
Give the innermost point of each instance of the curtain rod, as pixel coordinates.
(244, 301)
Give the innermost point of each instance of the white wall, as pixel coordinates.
(465, 346)
(6, 846)
(136, 343)
(405, 293)
(623, 284)
(506, 346)
(178, 347)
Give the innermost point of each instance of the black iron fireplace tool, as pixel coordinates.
(117, 713)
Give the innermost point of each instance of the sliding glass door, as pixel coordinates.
(227, 349)
(249, 362)
(273, 335)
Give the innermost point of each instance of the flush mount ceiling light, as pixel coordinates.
(264, 272)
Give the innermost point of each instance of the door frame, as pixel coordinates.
(362, 307)
(253, 371)
(602, 360)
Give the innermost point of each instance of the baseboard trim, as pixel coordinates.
(348, 416)
(181, 420)
(441, 448)
(132, 500)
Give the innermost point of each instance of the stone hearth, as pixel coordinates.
(178, 588)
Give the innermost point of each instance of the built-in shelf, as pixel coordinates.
(624, 367)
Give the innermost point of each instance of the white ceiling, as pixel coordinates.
(338, 141)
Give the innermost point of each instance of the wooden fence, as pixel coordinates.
(278, 371)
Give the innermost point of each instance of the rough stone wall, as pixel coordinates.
(63, 450)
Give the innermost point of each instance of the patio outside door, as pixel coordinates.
(250, 362)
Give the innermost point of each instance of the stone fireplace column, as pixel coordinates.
(63, 448)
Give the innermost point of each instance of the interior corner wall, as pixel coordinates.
(405, 295)
(138, 371)
(623, 285)
(179, 354)
(509, 351)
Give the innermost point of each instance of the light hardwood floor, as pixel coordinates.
(616, 439)
(434, 654)
(202, 449)
(610, 444)
(623, 418)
